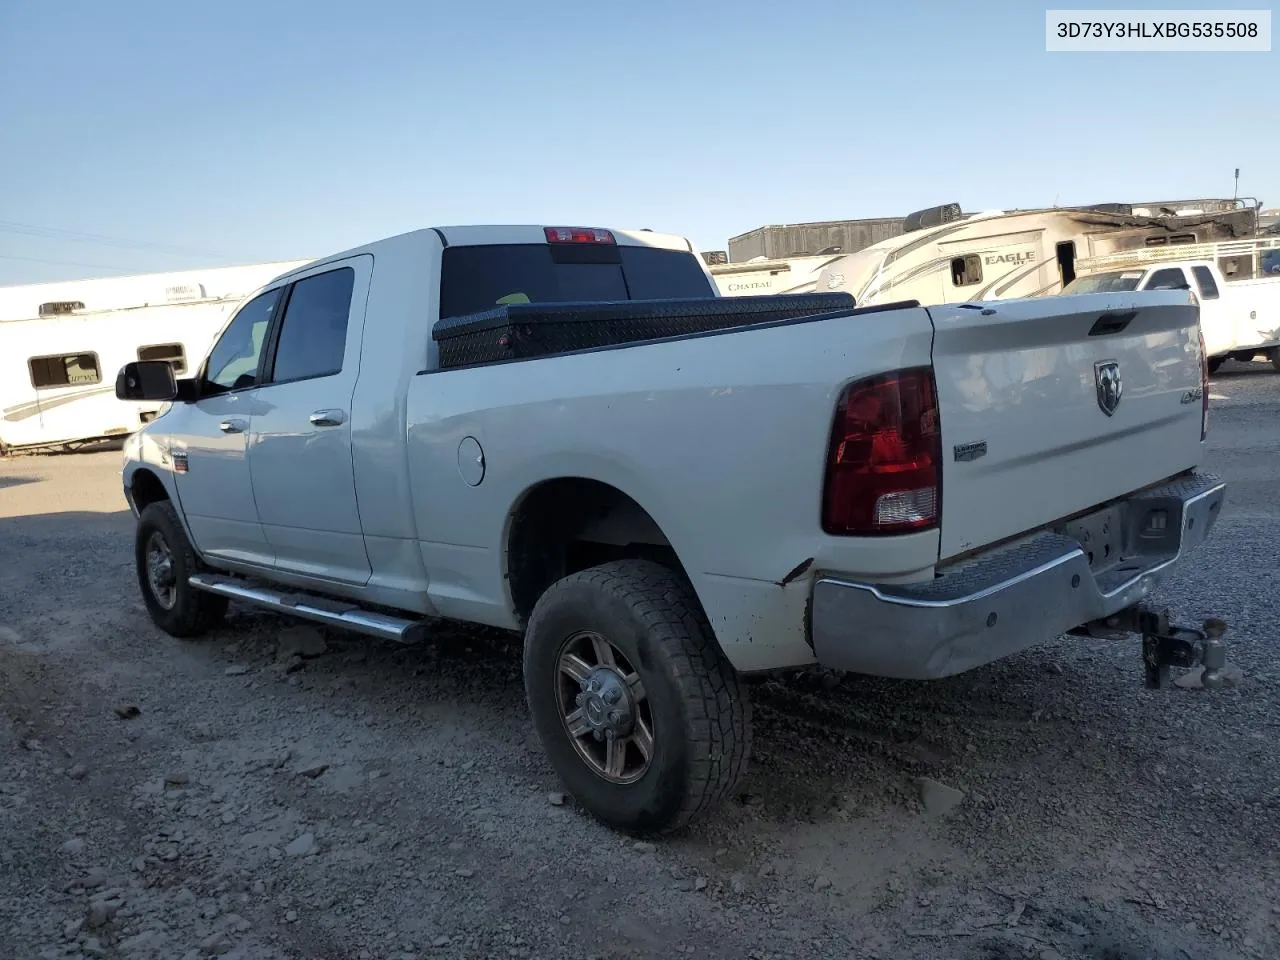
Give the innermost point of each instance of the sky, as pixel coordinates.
(142, 136)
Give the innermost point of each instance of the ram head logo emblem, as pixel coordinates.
(1106, 374)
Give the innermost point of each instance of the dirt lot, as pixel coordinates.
(162, 799)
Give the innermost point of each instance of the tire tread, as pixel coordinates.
(195, 613)
(719, 711)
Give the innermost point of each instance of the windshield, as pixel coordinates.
(1116, 282)
(481, 277)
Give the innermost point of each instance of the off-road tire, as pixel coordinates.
(194, 612)
(701, 713)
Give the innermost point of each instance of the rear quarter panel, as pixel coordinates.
(721, 439)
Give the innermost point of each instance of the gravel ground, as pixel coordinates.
(279, 792)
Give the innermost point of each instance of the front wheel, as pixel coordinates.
(641, 715)
(1274, 356)
(1215, 363)
(165, 559)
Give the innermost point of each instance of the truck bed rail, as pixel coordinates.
(522, 331)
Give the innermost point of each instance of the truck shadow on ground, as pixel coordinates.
(1237, 369)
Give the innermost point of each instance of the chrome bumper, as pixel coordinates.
(1012, 597)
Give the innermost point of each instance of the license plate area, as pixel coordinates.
(1101, 535)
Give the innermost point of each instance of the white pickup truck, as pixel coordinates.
(564, 432)
(1240, 319)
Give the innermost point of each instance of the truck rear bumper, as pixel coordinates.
(1014, 596)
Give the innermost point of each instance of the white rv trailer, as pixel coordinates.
(62, 344)
(756, 277)
(996, 255)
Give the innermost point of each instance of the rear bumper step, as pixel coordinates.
(1015, 596)
(318, 609)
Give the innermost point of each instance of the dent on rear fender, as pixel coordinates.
(796, 571)
(759, 624)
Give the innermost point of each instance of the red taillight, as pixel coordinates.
(885, 460)
(577, 235)
(1204, 390)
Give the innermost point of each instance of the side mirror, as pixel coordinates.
(146, 380)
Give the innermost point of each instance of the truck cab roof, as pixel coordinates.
(492, 235)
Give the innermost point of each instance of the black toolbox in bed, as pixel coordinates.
(519, 331)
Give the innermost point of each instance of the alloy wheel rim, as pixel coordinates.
(604, 708)
(161, 577)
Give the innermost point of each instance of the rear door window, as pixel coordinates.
(479, 278)
(1204, 278)
(313, 332)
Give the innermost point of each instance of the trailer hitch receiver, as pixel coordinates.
(1170, 646)
(1165, 646)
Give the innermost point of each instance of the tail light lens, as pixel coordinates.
(1204, 390)
(884, 463)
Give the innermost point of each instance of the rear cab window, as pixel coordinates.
(1170, 278)
(475, 278)
(1118, 281)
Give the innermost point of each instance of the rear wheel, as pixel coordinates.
(165, 559)
(641, 715)
(1274, 356)
(1215, 363)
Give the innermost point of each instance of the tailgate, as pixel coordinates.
(1031, 428)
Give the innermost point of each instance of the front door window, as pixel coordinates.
(235, 359)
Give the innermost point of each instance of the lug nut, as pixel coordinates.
(580, 699)
(610, 734)
(614, 716)
(613, 696)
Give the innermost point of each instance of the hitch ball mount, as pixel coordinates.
(1165, 645)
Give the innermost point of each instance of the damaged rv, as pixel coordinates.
(946, 256)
